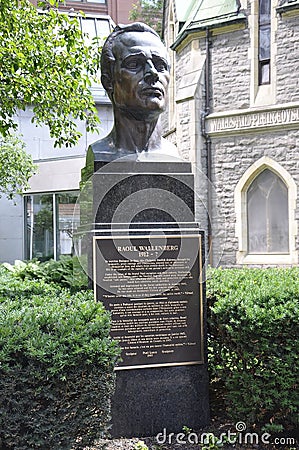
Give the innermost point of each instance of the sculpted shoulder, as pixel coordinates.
(105, 150)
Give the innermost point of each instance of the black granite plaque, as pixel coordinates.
(152, 286)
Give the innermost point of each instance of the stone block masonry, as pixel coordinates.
(287, 64)
(232, 156)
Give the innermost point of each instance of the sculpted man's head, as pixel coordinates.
(135, 71)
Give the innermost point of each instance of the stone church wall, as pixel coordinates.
(232, 156)
(264, 127)
(230, 71)
(287, 66)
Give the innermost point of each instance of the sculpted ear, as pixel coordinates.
(107, 83)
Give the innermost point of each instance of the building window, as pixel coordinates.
(100, 28)
(267, 214)
(50, 221)
(264, 41)
(103, 2)
(94, 27)
(265, 206)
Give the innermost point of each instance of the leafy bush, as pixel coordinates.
(67, 272)
(56, 366)
(253, 322)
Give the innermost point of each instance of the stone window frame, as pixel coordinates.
(288, 7)
(242, 255)
(262, 94)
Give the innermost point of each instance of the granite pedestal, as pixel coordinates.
(163, 384)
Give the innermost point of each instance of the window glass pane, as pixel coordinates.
(265, 7)
(88, 29)
(100, 29)
(103, 28)
(67, 220)
(267, 214)
(41, 229)
(39, 226)
(264, 42)
(264, 49)
(265, 73)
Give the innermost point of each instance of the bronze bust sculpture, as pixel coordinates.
(135, 74)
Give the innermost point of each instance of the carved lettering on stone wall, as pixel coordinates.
(254, 120)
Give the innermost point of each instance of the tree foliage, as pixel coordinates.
(149, 12)
(16, 166)
(45, 62)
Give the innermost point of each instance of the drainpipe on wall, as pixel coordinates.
(208, 142)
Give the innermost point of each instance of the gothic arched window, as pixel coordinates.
(267, 214)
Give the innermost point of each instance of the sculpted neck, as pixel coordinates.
(135, 136)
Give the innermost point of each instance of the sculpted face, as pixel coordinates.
(141, 74)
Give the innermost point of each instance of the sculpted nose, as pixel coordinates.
(150, 72)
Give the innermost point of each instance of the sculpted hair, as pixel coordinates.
(107, 57)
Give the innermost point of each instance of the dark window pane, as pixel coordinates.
(267, 214)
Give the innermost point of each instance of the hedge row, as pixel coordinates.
(253, 331)
(57, 359)
(56, 366)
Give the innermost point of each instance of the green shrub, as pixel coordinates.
(67, 272)
(253, 324)
(56, 366)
